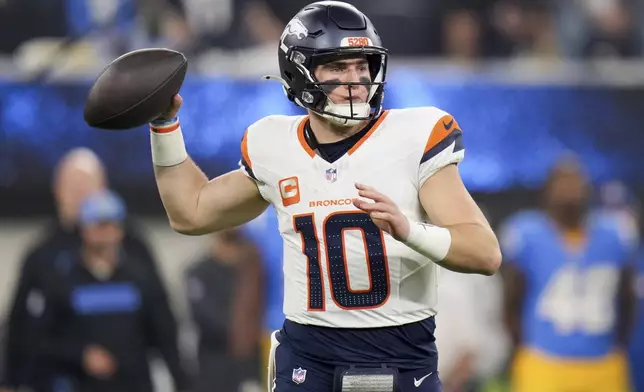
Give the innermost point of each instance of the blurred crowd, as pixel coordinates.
(90, 305)
(83, 32)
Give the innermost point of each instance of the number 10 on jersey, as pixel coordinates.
(332, 239)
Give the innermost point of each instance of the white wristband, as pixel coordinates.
(428, 240)
(168, 147)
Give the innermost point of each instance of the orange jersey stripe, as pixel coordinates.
(309, 150)
(244, 150)
(442, 129)
(302, 138)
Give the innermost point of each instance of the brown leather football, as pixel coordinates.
(135, 89)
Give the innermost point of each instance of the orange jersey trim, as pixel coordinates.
(244, 150)
(302, 139)
(309, 150)
(442, 129)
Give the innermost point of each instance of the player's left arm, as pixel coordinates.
(473, 245)
(461, 238)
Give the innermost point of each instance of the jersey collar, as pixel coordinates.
(309, 143)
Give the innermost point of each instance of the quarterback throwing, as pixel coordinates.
(370, 203)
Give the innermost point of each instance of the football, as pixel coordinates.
(135, 89)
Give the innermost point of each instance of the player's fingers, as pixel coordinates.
(175, 105)
(374, 195)
(364, 187)
(382, 216)
(359, 203)
(369, 207)
(177, 101)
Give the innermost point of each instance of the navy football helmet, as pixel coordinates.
(323, 32)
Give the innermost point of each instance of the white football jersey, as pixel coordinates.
(340, 270)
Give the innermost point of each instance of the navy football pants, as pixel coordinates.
(294, 373)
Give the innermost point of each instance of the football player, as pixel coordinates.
(354, 187)
(569, 297)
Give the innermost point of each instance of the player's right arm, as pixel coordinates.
(194, 205)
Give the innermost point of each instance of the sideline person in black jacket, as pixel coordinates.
(79, 173)
(101, 313)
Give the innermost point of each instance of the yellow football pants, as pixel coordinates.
(533, 371)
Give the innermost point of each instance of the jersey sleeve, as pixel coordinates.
(245, 163)
(443, 147)
(250, 162)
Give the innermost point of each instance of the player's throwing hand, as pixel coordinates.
(383, 211)
(172, 111)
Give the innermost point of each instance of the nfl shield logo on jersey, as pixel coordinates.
(299, 375)
(331, 175)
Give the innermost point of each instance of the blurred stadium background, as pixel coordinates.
(528, 80)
